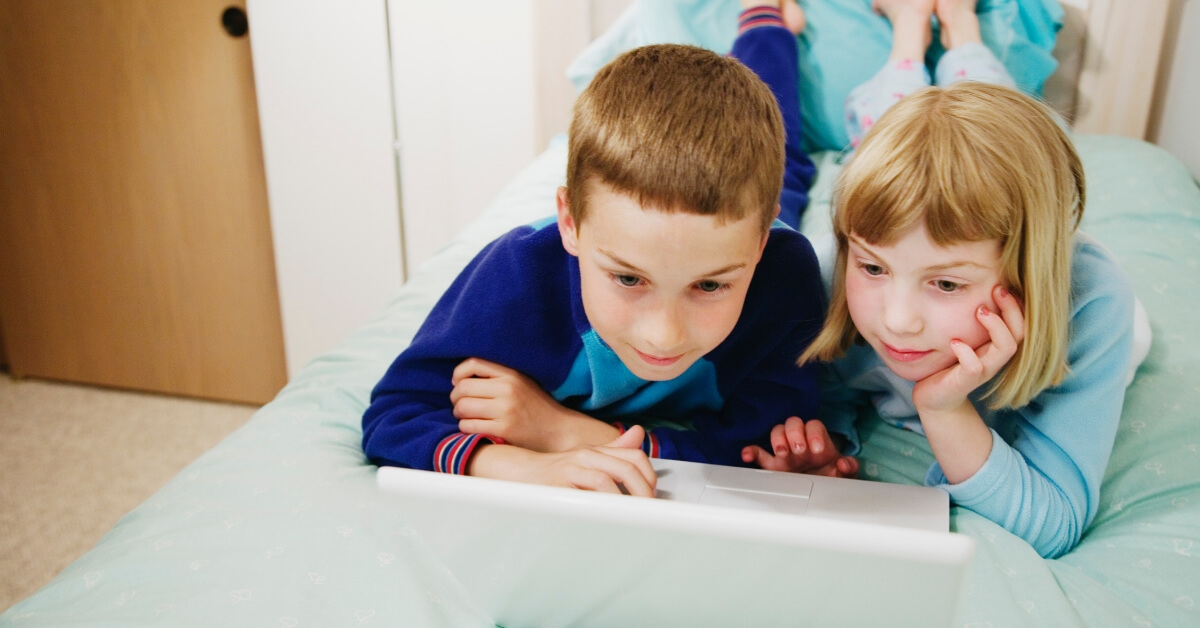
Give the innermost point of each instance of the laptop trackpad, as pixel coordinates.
(757, 490)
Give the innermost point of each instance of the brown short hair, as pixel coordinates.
(679, 128)
(971, 162)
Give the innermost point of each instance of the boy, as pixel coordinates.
(660, 315)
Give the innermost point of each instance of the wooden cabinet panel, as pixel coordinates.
(135, 241)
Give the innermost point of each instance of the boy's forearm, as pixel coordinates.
(582, 430)
(500, 462)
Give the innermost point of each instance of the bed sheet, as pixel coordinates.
(281, 524)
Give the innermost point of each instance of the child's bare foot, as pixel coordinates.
(892, 9)
(957, 22)
(793, 15)
(912, 27)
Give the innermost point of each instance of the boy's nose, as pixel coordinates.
(663, 331)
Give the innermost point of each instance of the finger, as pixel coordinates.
(762, 458)
(474, 387)
(465, 369)
(969, 363)
(481, 426)
(1013, 312)
(639, 460)
(847, 466)
(779, 441)
(631, 439)
(1001, 336)
(818, 438)
(797, 438)
(478, 367)
(592, 480)
(1002, 347)
(474, 408)
(621, 471)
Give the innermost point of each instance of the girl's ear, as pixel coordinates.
(567, 229)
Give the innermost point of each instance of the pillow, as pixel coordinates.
(844, 44)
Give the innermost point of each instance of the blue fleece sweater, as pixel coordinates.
(518, 304)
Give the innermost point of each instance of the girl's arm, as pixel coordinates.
(959, 438)
(1041, 480)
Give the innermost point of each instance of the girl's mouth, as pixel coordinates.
(904, 355)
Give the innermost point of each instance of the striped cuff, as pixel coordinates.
(760, 16)
(649, 444)
(453, 453)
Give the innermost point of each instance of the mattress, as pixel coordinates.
(281, 524)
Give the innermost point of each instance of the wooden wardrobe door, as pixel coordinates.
(135, 242)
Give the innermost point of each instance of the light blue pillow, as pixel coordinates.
(843, 45)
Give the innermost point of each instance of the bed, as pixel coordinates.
(281, 524)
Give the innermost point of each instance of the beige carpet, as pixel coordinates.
(74, 459)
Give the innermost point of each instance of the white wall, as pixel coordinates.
(324, 106)
(464, 89)
(1179, 129)
(465, 78)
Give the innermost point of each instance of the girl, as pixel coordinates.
(966, 306)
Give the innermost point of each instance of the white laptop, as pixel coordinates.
(721, 546)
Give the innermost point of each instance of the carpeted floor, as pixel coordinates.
(74, 459)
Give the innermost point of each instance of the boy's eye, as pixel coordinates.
(945, 285)
(628, 281)
(710, 286)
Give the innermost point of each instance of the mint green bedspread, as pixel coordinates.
(281, 524)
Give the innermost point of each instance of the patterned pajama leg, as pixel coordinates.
(897, 79)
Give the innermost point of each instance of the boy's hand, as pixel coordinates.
(618, 466)
(947, 389)
(499, 401)
(802, 447)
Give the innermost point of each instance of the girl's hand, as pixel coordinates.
(947, 389)
(802, 447)
(499, 401)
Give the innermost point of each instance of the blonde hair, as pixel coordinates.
(679, 128)
(973, 162)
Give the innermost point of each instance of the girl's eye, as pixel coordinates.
(873, 270)
(710, 286)
(628, 281)
(946, 285)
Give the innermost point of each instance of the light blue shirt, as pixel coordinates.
(1042, 478)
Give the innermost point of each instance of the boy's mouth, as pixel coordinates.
(657, 361)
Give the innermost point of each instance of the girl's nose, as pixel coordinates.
(901, 314)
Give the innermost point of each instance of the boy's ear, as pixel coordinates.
(762, 246)
(567, 229)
